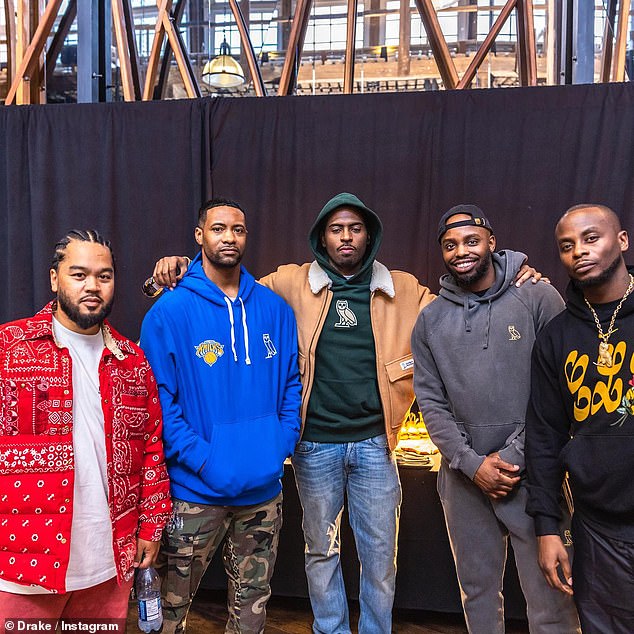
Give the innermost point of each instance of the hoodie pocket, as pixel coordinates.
(463, 431)
(488, 437)
(246, 456)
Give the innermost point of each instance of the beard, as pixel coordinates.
(468, 279)
(602, 277)
(84, 321)
(223, 261)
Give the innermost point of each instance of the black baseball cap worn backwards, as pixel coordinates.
(478, 219)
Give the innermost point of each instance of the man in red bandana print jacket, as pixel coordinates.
(84, 493)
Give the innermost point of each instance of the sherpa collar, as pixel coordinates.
(381, 279)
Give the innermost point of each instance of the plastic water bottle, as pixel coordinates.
(148, 594)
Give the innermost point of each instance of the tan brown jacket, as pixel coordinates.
(396, 299)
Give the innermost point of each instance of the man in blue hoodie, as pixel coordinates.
(472, 349)
(224, 352)
(354, 319)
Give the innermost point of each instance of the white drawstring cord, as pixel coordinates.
(246, 332)
(233, 334)
(245, 329)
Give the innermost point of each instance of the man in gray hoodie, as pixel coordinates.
(472, 350)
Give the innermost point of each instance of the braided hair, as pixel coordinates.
(80, 235)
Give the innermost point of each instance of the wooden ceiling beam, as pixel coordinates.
(30, 60)
(247, 47)
(485, 47)
(608, 42)
(165, 26)
(134, 55)
(295, 45)
(9, 25)
(125, 62)
(351, 38)
(438, 44)
(618, 72)
(526, 49)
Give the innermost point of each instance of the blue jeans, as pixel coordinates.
(365, 471)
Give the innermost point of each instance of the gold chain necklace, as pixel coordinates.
(605, 356)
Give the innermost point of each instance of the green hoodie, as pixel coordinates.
(344, 403)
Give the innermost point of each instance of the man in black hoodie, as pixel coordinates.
(581, 421)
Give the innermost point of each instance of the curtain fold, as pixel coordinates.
(138, 172)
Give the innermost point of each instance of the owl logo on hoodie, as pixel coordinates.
(514, 333)
(271, 350)
(347, 318)
(209, 351)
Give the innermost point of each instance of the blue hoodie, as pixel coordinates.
(229, 387)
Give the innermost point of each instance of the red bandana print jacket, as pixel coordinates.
(36, 451)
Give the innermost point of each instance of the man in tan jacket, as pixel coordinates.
(354, 319)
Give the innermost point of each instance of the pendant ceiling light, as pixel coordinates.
(222, 71)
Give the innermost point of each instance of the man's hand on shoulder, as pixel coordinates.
(496, 476)
(529, 273)
(555, 563)
(168, 271)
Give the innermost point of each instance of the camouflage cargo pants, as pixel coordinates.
(249, 553)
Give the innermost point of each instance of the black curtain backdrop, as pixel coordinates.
(138, 172)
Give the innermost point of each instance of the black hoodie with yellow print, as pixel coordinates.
(581, 419)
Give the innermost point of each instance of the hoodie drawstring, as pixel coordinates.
(488, 328)
(233, 332)
(465, 312)
(244, 329)
(467, 321)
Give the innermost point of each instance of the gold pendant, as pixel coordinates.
(605, 357)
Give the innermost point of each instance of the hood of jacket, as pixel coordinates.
(373, 224)
(196, 281)
(506, 265)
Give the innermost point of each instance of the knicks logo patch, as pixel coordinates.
(209, 351)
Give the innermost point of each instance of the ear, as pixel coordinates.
(368, 240)
(54, 280)
(624, 241)
(198, 236)
(492, 244)
(322, 239)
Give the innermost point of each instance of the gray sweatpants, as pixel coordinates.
(478, 532)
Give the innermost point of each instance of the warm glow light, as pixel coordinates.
(223, 71)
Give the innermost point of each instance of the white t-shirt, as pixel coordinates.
(91, 553)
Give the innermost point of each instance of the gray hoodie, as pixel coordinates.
(472, 364)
